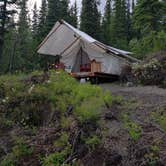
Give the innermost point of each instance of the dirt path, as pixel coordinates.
(148, 94)
(139, 105)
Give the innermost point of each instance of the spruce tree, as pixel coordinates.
(35, 21)
(90, 18)
(148, 16)
(64, 10)
(9, 48)
(74, 15)
(54, 14)
(5, 13)
(107, 22)
(23, 59)
(42, 21)
(148, 22)
(118, 27)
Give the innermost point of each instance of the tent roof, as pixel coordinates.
(85, 37)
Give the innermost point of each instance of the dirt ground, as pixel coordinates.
(139, 105)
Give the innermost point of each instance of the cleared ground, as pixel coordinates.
(142, 112)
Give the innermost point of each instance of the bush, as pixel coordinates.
(154, 42)
(152, 71)
(30, 103)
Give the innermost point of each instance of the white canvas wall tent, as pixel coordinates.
(77, 49)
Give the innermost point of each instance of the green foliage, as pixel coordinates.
(74, 15)
(57, 158)
(148, 15)
(62, 141)
(160, 117)
(106, 23)
(8, 160)
(58, 93)
(18, 151)
(134, 129)
(118, 100)
(92, 142)
(90, 18)
(153, 42)
(89, 111)
(5, 21)
(21, 149)
(29, 101)
(119, 25)
(151, 72)
(108, 99)
(66, 122)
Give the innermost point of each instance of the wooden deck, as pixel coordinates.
(96, 77)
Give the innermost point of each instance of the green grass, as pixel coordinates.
(133, 128)
(18, 151)
(24, 105)
(160, 118)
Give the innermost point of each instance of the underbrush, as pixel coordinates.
(152, 71)
(133, 128)
(53, 100)
(160, 118)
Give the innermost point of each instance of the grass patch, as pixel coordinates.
(27, 102)
(20, 150)
(160, 118)
(133, 128)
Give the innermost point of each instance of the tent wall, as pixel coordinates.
(112, 64)
(109, 63)
(61, 37)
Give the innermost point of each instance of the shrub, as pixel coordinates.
(89, 111)
(18, 151)
(57, 158)
(92, 142)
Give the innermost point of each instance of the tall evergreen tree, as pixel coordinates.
(74, 15)
(64, 10)
(90, 18)
(5, 14)
(9, 48)
(119, 32)
(42, 21)
(35, 21)
(53, 14)
(129, 20)
(149, 27)
(107, 22)
(23, 56)
(148, 16)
